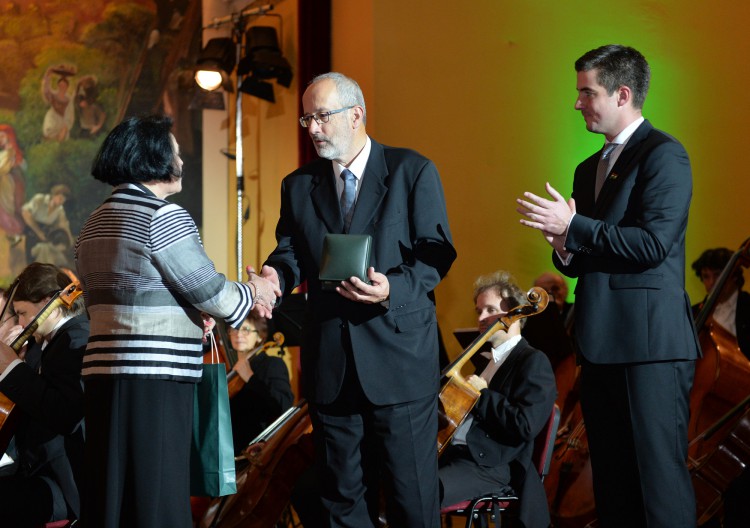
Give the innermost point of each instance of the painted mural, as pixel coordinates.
(71, 71)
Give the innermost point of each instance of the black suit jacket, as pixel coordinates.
(629, 254)
(49, 438)
(508, 416)
(401, 205)
(261, 400)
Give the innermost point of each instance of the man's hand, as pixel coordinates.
(356, 290)
(477, 382)
(551, 217)
(266, 288)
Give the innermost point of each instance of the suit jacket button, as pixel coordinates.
(481, 455)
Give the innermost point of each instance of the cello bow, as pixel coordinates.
(457, 398)
(9, 415)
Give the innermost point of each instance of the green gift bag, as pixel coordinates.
(212, 452)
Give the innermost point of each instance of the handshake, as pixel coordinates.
(266, 290)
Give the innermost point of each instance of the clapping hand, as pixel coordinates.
(551, 217)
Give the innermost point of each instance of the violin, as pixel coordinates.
(234, 380)
(66, 297)
(457, 397)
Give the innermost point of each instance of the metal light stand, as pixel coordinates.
(238, 21)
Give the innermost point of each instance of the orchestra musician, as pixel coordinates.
(370, 367)
(555, 285)
(732, 309)
(492, 448)
(732, 313)
(49, 438)
(267, 391)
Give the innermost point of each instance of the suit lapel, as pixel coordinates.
(325, 198)
(373, 190)
(621, 168)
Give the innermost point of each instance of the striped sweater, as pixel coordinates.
(146, 279)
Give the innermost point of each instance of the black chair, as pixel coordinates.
(492, 505)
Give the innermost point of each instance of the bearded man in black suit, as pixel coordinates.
(370, 367)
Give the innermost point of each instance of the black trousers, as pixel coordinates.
(137, 455)
(362, 448)
(636, 419)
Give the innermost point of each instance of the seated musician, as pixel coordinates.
(267, 392)
(49, 436)
(492, 448)
(732, 310)
(549, 331)
(555, 285)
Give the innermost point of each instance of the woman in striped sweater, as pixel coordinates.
(146, 279)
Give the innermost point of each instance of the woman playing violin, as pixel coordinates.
(47, 388)
(267, 392)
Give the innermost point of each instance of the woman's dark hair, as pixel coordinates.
(39, 281)
(139, 149)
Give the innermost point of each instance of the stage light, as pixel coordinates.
(263, 61)
(215, 64)
(260, 60)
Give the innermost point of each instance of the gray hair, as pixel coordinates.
(349, 92)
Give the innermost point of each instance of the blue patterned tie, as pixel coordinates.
(601, 169)
(347, 197)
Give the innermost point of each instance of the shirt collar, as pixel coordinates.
(501, 352)
(624, 136)
(51, 335)
(358, 164)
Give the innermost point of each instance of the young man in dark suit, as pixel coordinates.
(370, 350)
(492, 448)
(623, 235)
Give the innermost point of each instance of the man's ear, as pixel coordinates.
(624, 95)
(357, 115)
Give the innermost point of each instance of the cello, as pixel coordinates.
(272, 464)
(457, 398)
(719, 427)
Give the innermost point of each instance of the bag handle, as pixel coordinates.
(215, 359)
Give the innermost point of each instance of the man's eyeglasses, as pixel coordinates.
(320, 117)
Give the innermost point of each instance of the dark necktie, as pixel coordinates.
(601, 169)
(347, 197)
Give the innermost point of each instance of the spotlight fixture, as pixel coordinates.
(215, 64)
(263, 60)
